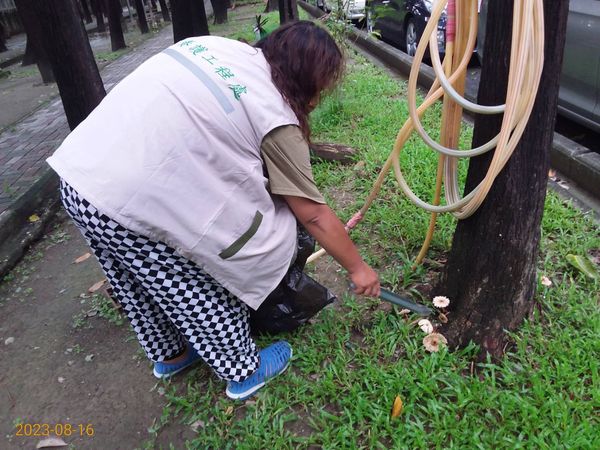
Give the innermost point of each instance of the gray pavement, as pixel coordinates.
(25, 146)
(28, 186)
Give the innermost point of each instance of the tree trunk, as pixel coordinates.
(288, 11)
(220, 10)
(86, 11)
(490, 276)
(272, 5)
(34, 49)
(164, 10)
(141, 16)
(3, 47)
(113, 10)
(97, 6)
(68, 49)
(181, 16)
(199, 19)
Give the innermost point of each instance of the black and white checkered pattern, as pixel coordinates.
(167, 298)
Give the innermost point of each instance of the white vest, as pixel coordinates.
(173, 153)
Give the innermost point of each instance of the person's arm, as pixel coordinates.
(322, 223)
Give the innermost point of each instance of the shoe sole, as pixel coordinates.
(251, 392)
(162, 376)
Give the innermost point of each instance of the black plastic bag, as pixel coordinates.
(296, 299)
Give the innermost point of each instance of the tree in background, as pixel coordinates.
(99, 13)
(114, 12)
(189, 19)
(288, 11)
(3, 47)
(68, 49)
(35, 53)
(86, 11)
(164, 10)
(220, 10)
(491, 271)
(141, 16)
(199, 19)
(272, 5)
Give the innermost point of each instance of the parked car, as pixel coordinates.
(353, 10)
(579, 95)
(401, 22)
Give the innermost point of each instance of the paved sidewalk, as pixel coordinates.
(28, 186)
(26, 145)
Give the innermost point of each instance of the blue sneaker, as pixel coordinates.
(166, 370)
(273, 360)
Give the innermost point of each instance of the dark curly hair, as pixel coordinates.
(305, 61)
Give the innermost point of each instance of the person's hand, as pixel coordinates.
(365, 281)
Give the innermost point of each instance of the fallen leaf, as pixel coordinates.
(9, 340)
(197, 425)
(89, 358)
(34, 218)
(61, 380)
(82, 258)
(397, 407)
(404, 312)
(97, 286)
(584, 265)
(51, 442)
(229, 411)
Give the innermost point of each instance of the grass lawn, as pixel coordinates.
(356, 357)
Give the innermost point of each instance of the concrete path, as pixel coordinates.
(25, 146)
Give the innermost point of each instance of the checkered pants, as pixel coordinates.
(168, 299)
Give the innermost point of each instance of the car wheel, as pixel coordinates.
(410, 37)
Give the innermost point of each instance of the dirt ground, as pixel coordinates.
(66, 361)
(61, 366)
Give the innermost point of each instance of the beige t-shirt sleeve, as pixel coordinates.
(287, 159)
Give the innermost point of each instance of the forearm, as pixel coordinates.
(330, 233)
(322, 223)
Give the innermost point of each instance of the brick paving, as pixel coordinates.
(25, 146)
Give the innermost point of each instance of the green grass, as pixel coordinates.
(241, 22)
(350, 364)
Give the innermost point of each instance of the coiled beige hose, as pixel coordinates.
(526, 63)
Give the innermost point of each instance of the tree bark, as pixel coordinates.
(68, 49)
(288, 11)
(220, 10)
(141, 16)
(34, 49)
(164, 10)
(113, 11)
(272, 5)
(3, 47)
(99, 13)
(490, 276)
(86, 11)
